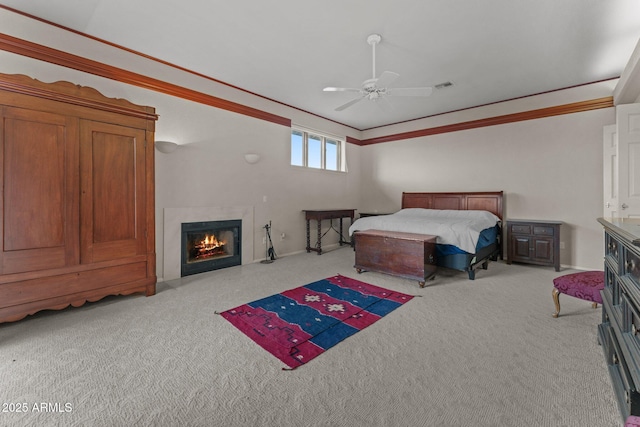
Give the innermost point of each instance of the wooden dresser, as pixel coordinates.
(534, 242)
(619, 332)
(77, 203)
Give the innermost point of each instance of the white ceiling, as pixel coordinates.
(288, 50)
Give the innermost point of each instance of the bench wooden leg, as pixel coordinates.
(556, 299)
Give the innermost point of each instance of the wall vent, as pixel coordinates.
(443, 85)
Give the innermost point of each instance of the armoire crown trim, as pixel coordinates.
(70, 93)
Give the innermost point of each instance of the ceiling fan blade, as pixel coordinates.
(340, 89)
(377, 88)
(386, 79)
(350, 103)
(410, 91)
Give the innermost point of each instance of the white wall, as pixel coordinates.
(209, 169)
(549, 168)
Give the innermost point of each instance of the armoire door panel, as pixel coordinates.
(34, 185)
(39, 206)
(114, 205)
(112, 162)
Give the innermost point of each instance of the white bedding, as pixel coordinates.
(452, 227)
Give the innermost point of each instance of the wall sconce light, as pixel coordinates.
(252, 158)
(166, 147)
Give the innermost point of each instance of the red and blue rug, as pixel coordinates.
(299, 324)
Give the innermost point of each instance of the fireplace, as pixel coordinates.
(210, 245)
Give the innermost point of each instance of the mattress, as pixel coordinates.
(487, 237)
(460, 229)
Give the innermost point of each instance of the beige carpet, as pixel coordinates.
(468, 353)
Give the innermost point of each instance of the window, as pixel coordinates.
(314, 150)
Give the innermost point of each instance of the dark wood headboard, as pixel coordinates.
(486, 201)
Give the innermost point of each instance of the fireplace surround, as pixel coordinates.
(210, 245)
(169, 239)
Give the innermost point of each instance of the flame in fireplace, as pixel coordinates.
(210, 246)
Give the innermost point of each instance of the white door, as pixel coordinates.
(610, 168)
(628, 134)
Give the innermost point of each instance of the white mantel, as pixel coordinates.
(174, 217)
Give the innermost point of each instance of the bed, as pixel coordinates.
(444, 218)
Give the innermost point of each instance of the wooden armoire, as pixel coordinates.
(77, 207)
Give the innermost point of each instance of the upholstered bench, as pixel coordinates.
(632, 421)
(585, 285)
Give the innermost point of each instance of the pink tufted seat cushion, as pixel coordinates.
(632, 421)
(585, 285)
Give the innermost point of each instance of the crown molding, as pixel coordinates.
(575, 107)
(65, 59)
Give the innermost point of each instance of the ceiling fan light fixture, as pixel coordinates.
(374, 39)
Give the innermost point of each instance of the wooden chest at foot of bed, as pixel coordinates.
(408, 255)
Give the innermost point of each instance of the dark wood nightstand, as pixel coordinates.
(534, 242)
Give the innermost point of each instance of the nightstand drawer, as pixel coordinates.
(521, 228)
(543, 230)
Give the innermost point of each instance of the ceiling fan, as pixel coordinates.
(376, 89)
